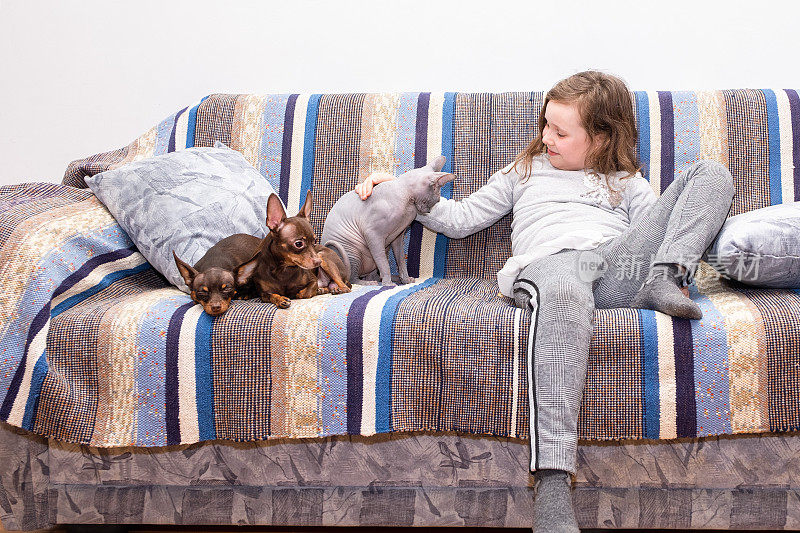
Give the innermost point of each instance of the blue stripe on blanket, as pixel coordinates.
(164, 134)
(383, 382)
(404, 154)
(106, 281)
(308, 148)
(406, 130)
(448, 115)
(37, 380)
(271, 148)
(151, 340)
(41, 319)
(651, 412)
(773, 129)
(710, 368)
(643, 144)
(190, 130)
(332, 371)
(203, 378)
(686, 117)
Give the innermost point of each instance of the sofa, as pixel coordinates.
(402, 406)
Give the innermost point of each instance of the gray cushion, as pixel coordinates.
(184, 201)
(760, 247)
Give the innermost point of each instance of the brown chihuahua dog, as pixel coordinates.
(289, 263)
(211, 281)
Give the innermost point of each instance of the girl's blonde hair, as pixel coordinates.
(606, 110)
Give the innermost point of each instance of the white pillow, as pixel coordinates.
(760, 247)
(185, 201)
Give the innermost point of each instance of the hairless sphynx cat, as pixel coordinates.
(362, 230)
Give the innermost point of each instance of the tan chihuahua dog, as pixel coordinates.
(289, 263)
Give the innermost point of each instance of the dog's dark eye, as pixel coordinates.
(299, 244)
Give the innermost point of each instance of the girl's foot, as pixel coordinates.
(552, 506)
(662, 292)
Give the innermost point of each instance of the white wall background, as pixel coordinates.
(81, 77)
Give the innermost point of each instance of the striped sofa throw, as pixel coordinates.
(96, 348)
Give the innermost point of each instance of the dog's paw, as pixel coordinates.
(281, 302)
(407, 280)
(339, 290)
(324, 290)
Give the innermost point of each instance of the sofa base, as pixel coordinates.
(743, 482)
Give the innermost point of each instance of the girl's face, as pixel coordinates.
(564, 136)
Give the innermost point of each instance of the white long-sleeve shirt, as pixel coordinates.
(553, 210)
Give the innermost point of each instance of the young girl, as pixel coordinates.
(588, 232)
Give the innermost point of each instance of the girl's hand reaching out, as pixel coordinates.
(364, 189)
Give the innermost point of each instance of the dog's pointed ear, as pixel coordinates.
(305, 211)
(275, 212)
(188, 273)
(245, 271)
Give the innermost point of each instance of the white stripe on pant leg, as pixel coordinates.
(532, 384)
(515, 375)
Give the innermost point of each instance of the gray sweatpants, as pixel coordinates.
(564, 293)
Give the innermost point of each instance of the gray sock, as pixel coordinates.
(523, 291)
(662, 292)
(552, 507)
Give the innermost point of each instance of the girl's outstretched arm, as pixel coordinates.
(364, 189)
(457, 219)
(478, 211)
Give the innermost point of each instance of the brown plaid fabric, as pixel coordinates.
(215, 119)
(68, 402)
(336, 154)
(79, 169)
(242, 363)
(472, 128)
(451, 369)
(748, 143)
(17, 206)
(612, 398)
(779, 310)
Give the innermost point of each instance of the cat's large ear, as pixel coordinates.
(441, 178)
(437, 164)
